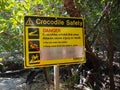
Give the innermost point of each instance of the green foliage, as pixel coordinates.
(12, 13)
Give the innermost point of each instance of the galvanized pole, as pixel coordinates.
(56, 78)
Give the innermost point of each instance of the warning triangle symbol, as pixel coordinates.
(29, 22)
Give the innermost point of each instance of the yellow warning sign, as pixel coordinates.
(29, 22)
(53, 41)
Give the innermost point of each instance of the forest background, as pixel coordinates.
(102, 24)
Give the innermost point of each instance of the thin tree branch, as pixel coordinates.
(98, 22)
(99, 19)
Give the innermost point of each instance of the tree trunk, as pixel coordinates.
(110, 53)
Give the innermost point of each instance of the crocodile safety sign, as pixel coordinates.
(52, 41)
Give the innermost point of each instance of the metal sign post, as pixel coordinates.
(56, 78)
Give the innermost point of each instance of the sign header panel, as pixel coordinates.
(53, 21)
(53, 41)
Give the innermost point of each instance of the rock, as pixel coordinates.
(12, 84)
